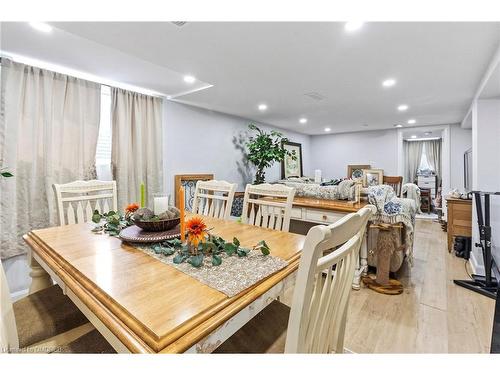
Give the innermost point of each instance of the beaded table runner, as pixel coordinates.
(234, 275)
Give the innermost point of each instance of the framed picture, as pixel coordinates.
(355, 172)
(372, 177)
(188, 181)
(289, 166)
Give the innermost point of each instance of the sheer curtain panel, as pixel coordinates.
(49, 124)
(413, 154)
(136, 152)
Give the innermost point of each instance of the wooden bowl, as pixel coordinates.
(157, 226)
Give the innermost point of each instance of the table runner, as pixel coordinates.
(234, 275)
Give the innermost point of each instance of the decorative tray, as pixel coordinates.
(136, 234)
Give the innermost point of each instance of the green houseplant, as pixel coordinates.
(264, 149)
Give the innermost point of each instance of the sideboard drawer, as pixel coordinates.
(296, 213)
(320, 216)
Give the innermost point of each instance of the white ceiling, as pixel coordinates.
(438, 66)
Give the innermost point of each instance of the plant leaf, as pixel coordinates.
(179, 258)
(196, 260)
(242, 252)
(236, 241)
(230, 248)
(216, 260)
(7, 174)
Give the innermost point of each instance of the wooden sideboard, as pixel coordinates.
(323, 211)
(459, 219)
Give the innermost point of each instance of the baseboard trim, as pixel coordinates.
(19, 294)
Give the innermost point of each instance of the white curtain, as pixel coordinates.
(413, 154)
(433, 152)
(136, 152)
(49, 125)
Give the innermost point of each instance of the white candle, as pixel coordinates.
(160, 204)
(317, 176)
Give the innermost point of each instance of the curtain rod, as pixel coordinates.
(81, 75)
(422, 139)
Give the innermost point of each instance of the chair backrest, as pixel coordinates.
(324, 280)
(214, 198)
(76, 201)
(396, 182)
(268, 206)
(8, 330)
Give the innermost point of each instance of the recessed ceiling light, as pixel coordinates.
(402, 107)
(427, 133)
(189, 79)
(303, 120)
(262, 107)
(353, 26)
(327, 129)
(398, 126)
(41, 26)
(389, 82)
(413, 136)
(412, 121)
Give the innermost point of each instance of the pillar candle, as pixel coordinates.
(143, 191)
(181, 209)
(160, 204)
(317, 176)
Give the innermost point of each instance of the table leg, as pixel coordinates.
(40, 279)
(362, 263)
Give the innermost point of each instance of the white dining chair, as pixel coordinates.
(268, 206)
(317, 319)
(45, 321)
(214, 198)
(77, 200)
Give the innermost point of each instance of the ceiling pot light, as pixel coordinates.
(413, 136)
(398, 126)
(189, 79)
(262, 107)
(327, 129)
(41, 26)
(389, 82)
(412, 121)
(303, 120)
(353, 26)
(427, 133)
(402, 107)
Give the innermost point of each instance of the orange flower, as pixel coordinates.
(132, 207)
(196, 229)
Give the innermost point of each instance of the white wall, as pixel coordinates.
(202, 141)
(332, 153)
(485, 170)
(461, 141)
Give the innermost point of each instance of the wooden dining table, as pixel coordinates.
(142, 305)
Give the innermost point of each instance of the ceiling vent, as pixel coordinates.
(179, 23)
(315, 95)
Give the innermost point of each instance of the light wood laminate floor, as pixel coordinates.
(433, 315)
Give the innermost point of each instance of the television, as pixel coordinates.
(468, 170)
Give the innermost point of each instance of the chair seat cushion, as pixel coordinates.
(265, 333)
(92, 342)
(45, 314)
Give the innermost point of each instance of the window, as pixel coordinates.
(424, 163)
(103, 152)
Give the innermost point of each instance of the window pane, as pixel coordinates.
(103, 152)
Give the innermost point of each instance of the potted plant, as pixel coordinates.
(264, 149)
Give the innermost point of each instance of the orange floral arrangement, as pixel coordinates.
(132, 207)
(196, 229)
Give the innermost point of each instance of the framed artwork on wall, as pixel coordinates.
(188, 181)
(289, 166)
(355, 171)
(372, 177)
